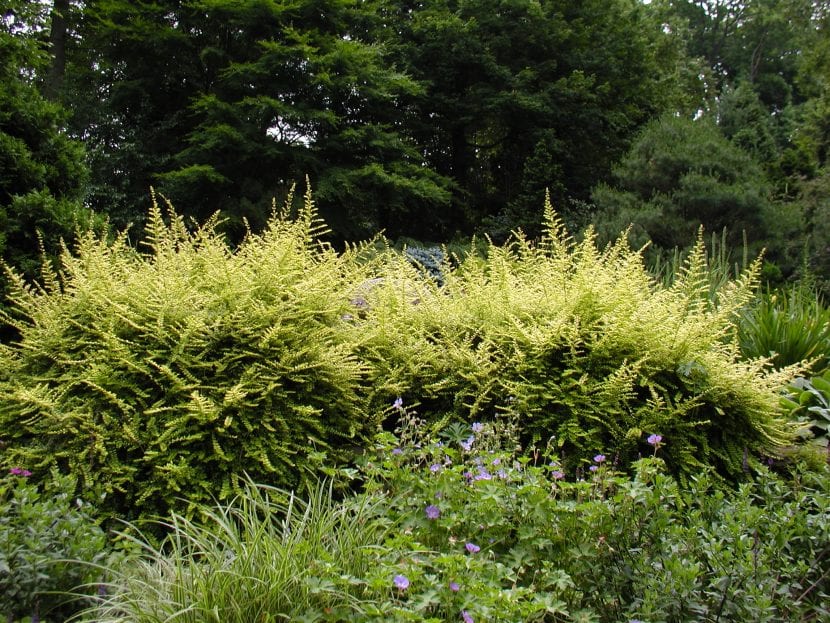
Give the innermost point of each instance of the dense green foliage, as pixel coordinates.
(518, 97)
(809, 403)
(436, 118)
(681, 174)
(450, 531)
(50, 546)
(42, 171)
(420, 119)
(166, 375)
(159, 379)
(788, 327)
(583, 346)
(252, 97)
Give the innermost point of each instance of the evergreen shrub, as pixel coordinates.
(429, 260)
(808, 402)
(585, 349)
(166, 374)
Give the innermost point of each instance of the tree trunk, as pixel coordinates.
(57, 48)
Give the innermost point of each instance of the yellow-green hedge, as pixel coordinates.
(162, 374)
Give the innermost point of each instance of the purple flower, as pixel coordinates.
(483, 474)
(435, 468)
(599, 458)
(465, 616)
(593, 468)
(433, 512)
(496, 461)
(472, 548)
(19, 471)
(466, 445)
(397, 452)
(654, 439)
(401, 582)
(454, 587)
(398, 404)
(557, 474)
(478, 427)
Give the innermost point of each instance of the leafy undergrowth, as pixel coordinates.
(49, 544)
(456, 528)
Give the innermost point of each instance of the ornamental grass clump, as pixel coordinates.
(788, 327)
(157, 376)
(585, 347)
(265, 555)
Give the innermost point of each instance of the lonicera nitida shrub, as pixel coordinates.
(51, 550)
(584, 347)
(159, 376)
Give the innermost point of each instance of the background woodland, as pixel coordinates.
(430, 120)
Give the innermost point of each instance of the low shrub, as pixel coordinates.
(469, 529)
(525, 539)
(157, 379)
(51, 550)
(809, 403)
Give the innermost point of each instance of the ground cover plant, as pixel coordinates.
(463, 526)
(50, 544)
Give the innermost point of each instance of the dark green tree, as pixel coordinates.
(515, 85)
(42, 170)
(223, 105)
(131, 73)
(681, 174)
(761, 42)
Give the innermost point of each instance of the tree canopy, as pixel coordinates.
(426, 119)
(423, 119)
(42, 170)
(681, 174)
